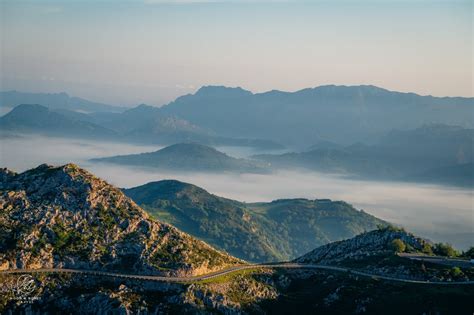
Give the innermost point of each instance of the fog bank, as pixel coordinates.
(436, 212)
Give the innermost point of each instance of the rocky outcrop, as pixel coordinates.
(232, 295)
(67, 217)
(373, 243)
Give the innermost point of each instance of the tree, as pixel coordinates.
(427, 249)
(398, 245)
(469, 253)
(445, 249)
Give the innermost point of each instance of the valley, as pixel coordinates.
(442, 213)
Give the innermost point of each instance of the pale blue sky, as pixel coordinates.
(151, 51)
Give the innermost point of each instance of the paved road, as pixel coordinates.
(453, 262)
(224, 272)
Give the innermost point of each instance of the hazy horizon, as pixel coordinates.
(151, 52)
(5, 110)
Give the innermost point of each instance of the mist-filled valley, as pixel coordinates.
(440, 213)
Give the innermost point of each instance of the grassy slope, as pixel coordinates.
(275, 231)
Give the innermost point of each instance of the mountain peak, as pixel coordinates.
(342, 90)
(373, 243)
(68, 185)
(73, 219)
(29, 107)
(54, 101)
(39, 119)
(144, 106)
(192, 148)
(187, 157)
(222, 91)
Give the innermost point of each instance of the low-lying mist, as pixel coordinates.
(436, 212)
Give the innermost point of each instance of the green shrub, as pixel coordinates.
(398, 245)
(456, 272)
(445, 249)
(427, 249)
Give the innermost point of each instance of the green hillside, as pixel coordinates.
(278, 230)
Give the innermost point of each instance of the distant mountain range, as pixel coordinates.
(458, 175)
(216, 114)
(41, 120)
(361, 131)
(143, 124)
(273, 231)
(342, 114)
(146, 123)
(433, 153)
(428, 153)
(187, 157)
(10, 99)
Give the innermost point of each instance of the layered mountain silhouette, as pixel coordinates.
(428, 153)
(143, 124)
(41, 120)
(10, 99)
(458, 175)
(187, 157)
(342, 114)
(148, 124)
(219, 115)
(361, 131)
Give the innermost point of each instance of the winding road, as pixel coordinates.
(440, 260)
(223, 272)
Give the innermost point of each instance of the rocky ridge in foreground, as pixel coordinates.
(66, 217)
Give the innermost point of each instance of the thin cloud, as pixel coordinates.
(180, 1)
(212, 1)
(51, 10)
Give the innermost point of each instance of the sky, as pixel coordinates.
(151, 51)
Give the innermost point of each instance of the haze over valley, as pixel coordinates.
(351, 143)
(439, 212)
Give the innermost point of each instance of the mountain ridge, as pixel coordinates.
(398, 155)
(40, 119)
(341, 114)
(60, 100)
(187, 157)
(259, 232)
(324, 87)
(70, 218)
